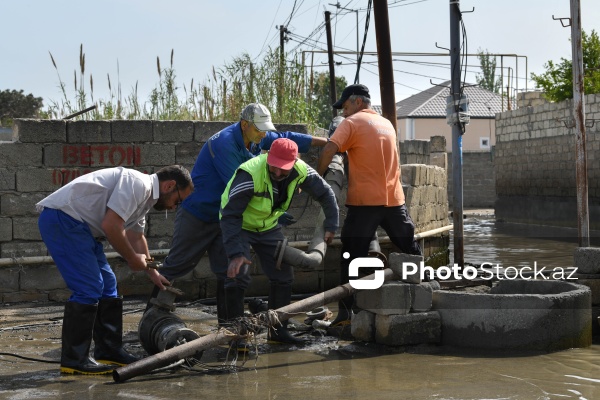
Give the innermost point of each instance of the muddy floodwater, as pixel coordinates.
(328, 368)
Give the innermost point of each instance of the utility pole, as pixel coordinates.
(457, 132)
(357, 41)
(384, 57)
(579, 118)
(282, 31)
(332, 90)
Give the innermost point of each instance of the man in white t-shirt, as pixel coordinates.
(109, 204)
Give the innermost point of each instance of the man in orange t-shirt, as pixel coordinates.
(375, 196)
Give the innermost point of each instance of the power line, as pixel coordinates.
(272, 23)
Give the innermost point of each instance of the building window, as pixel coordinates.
(484, 143)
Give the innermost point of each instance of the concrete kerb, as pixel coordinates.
(587, 260)
(519, 315)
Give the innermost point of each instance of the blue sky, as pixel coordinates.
(206, 33)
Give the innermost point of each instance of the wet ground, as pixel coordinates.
(326, 368)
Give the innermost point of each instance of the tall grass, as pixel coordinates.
(220, 97)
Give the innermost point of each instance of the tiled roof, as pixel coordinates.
(431, 103)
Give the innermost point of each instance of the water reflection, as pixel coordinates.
(518, 245)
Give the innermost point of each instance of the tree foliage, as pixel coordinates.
(321, 96)
(487, 78)
(15, 104)
(557, 81)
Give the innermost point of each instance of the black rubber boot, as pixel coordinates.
(221, 303)
(280, 296)
(108, 334)
(344, 315)
(77, 330)
(234, 297)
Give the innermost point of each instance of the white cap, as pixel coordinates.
(259, 115)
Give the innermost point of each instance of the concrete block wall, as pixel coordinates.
(424, 166)
(44, 155)
(534, 164)
(426, 195)
(479, 183)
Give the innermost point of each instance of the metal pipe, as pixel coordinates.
(48, 260)
(223, 336)
(382, 240)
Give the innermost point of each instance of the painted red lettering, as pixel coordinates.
(70, 154)
(111, 155)
(99, 151)
(85, 155)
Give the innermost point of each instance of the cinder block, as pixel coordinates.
(363, 326)
(7, 179)
(19, 297)
(41, 277)
(159, 243)
(5, 229)
(409, 174)
(26, 228)
(422, 297)
(22, 249)
(411, 329)
(9, 279)
(88, 132)
(437, 144)
(39, 131)
(304, 282)
(19, 204)
(151, 154)
(173, 131)
(396, 263)
(14, 155)
(409, 197)
(186, 153)
(41, 180)
(158, 225)
(61, 155)
(300, 128)
(587, 260)
(204, 130)
(439, 160)
(391, 298)
(59, 295)
(131, 131)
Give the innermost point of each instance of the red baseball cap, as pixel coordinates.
(283, 154)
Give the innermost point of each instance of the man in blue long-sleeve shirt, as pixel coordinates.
(197, 227)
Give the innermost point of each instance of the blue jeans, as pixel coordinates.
(78, 256)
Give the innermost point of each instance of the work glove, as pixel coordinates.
(286, 219)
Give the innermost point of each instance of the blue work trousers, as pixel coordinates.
(78, 256)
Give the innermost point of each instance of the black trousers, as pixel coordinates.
(361, 224)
